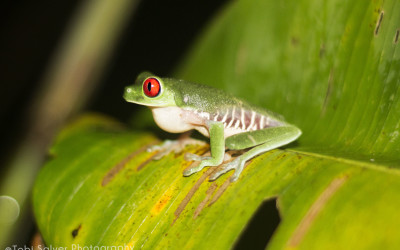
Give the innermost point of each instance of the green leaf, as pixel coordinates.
(330, 67)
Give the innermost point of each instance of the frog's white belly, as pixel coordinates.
(178, 120)
(172, 119)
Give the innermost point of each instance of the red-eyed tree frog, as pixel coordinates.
(230, 123)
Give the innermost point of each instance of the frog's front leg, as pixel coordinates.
(217, 148)
(261, 141)
(175, 146)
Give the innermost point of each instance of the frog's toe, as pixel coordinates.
(204, 162)
(194, 157)
(169, 146)
(237, 164)
(153, 148)
(165, 146)
(238, 169)
(224, 169)
(191, 170)
(163, 149)
(160, 155)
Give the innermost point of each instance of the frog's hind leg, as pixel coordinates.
(261, 141)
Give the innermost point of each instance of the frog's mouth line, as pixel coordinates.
(147, 104)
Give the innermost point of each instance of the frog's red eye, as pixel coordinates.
(151, 87)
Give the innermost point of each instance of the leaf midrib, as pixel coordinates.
(356, 163)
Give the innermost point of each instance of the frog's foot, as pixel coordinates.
(175, 146)
(205, 161)
(237, 164)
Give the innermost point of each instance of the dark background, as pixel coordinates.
(32, 30)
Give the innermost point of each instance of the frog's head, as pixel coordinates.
(151, 91)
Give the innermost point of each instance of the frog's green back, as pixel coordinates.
(209, 99)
